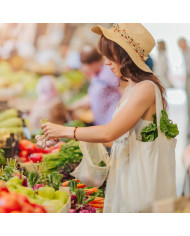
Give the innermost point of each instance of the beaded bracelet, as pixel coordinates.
(75, 133)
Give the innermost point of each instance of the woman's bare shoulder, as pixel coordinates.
(144, 89)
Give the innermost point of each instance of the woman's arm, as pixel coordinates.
(140, 100)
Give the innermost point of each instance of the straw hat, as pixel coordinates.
(134, 38)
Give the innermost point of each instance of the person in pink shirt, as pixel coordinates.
(103, 93)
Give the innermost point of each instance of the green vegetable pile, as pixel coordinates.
(10, 170)
(150, 132)
(69, 153)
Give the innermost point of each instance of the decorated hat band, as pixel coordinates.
(130, 41)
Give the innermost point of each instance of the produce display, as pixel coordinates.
(84, 199)
(29, 151)
(45, 188)
(69, 157)
(12, 202)
(36, 178)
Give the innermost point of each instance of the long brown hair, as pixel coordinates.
(116, 53)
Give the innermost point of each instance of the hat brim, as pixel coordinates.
(116, 37)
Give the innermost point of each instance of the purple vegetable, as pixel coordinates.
(37, 186)
(92, 210)
(73, 201)
(84, 211)
(72, 211)
(24, 183)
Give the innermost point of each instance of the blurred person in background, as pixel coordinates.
(103, 93)
(48, 104)
(186, 55)
(161, 65)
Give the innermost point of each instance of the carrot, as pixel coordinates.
(97, 202)
(97, 205)
(91, 191)
(64, 184)
(99, 198)
(81, 185)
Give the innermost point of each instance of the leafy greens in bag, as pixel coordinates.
(167, 126)
(150, 132)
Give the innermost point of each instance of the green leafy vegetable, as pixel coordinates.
(150, 133)
(33, 178)
(167, 126)
(73, 186)
(9, 170)
(91, 198)
(102, 164)
(69, 153)
(80, 194)
(54, 180)
(100, 193)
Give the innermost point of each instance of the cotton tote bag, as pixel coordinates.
(88, 170)
(151, 169)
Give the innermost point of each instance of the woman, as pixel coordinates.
(132, 184)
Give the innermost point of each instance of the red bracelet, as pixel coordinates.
(75, 133)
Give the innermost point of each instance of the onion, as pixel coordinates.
(39, 144)
(84, 211)
(50, 143)
(38, 137)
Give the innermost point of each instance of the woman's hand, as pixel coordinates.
(51, 130)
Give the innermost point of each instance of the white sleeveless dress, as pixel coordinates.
(116, 181)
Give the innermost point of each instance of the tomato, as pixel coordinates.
(23, 154)
(27, 208)
(10, 203)
(35, 157)
(3, 186)
(3, 210)
(26, 145)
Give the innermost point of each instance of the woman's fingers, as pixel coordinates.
(45, 125)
